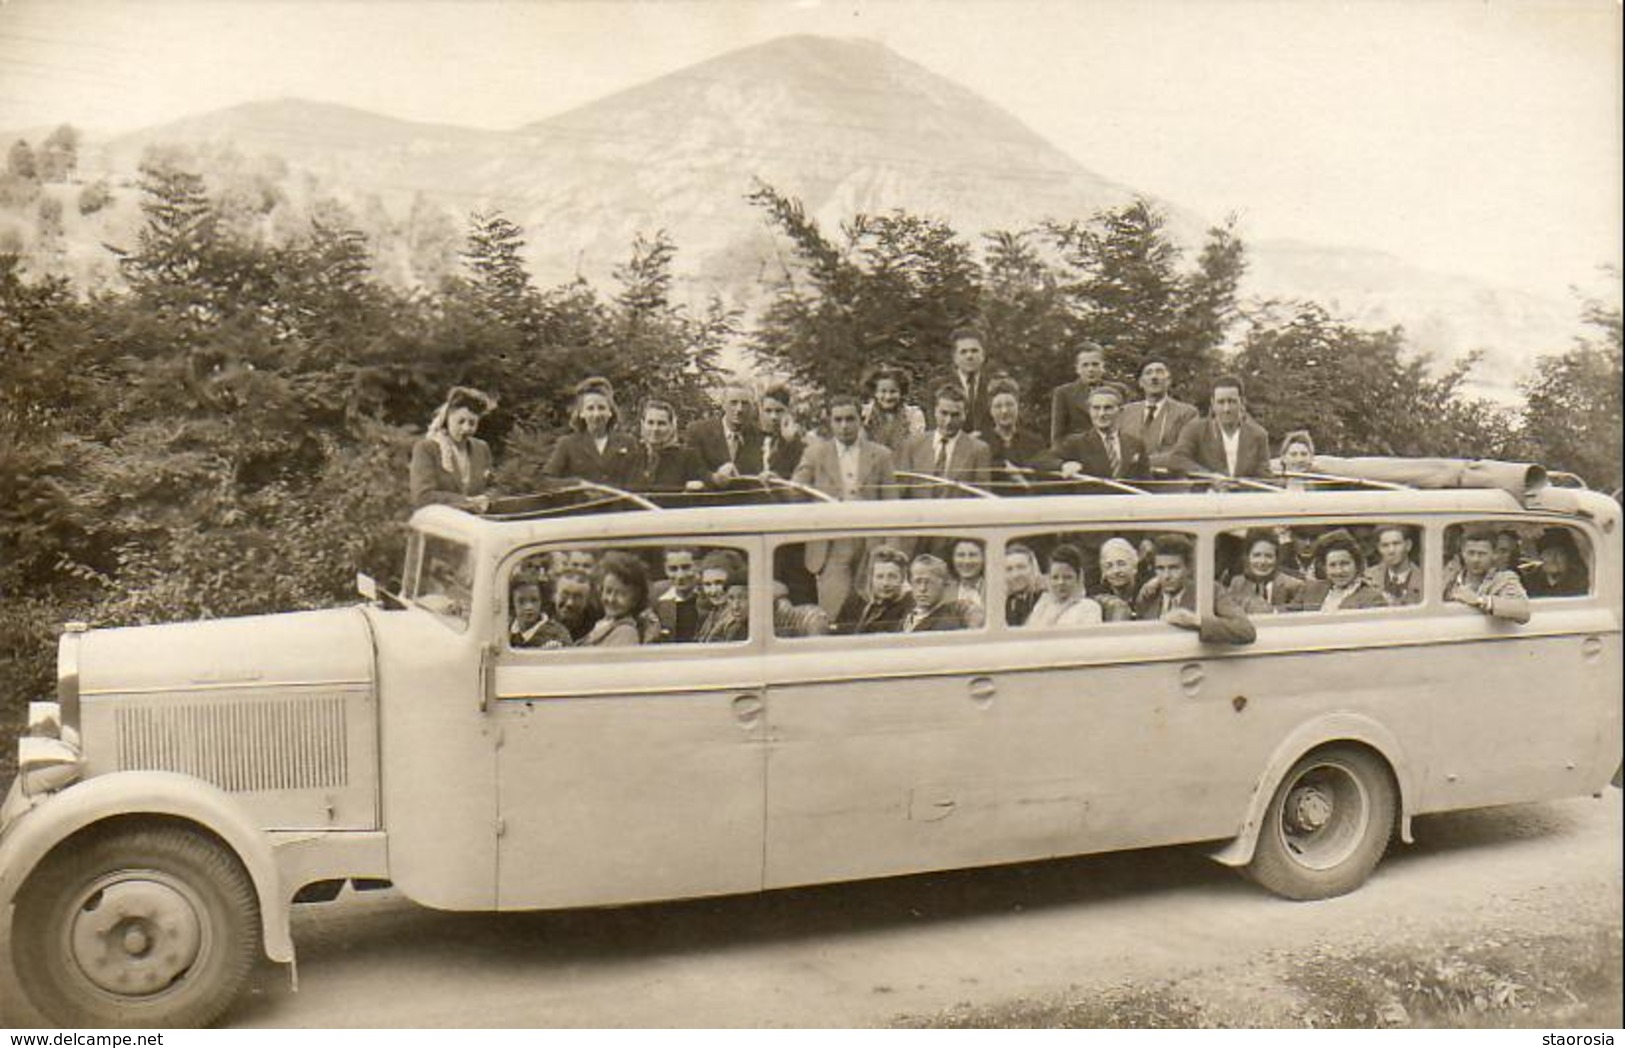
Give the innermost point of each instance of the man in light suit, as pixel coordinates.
(1069, 404)
(848, 467)
(946, 451)
(1227, 442)
(1157, 420)
(1103, 450)
(1395, 574)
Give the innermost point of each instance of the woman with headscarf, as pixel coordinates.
(450, 465)
(594, 450)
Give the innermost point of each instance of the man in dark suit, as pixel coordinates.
(661, 464)
(729, 446)
(932, 611)
(1227, 443)
(1395, 575)
(847, 467)
(946, 451)
(970, 372)
(1157, 420)
(781, 454)
(1102, 450)
(1171, 597)
(1069, 404)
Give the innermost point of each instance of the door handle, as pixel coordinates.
(982, 690)
(748, 709)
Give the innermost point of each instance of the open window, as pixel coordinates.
(881, 583)
(1098, 577)
(629, 596)
(1271, 569)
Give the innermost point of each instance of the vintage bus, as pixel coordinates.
(193, 781)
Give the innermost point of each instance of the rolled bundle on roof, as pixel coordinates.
(1520, 479)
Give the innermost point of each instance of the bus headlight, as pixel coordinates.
(46, 765)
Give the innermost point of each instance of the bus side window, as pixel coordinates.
(1560, 565)
(1345, 567)
(880, 584)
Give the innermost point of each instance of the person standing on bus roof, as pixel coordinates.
(968, 369)
(1478, 583)
(946, 451)
(782, 445)
(1069, 404)
(846, 467)
(1156, 420)
(729, 445)
(1171, 596)
(1013, 449)
(662, 464)
(450, 464)
(1102, 450)
(1227, 442)
(594, 450)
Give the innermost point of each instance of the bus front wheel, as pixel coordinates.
(1327, 825)
(150, 926)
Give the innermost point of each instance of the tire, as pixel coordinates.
(155, 926)
(1327, 826)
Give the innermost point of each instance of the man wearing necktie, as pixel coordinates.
(1103, 450)
(969, 371)
(946, 451)
(1155, 420)
(1395, 573)
(729, 446)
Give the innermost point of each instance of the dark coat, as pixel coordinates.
(1314, 592)
(1089, 450)
(949, 615)
(1024, 450)
(872, 616)
(978, 410)
(1069, 411)
(1200, 448)
(710, 443)
(575, 455)
(430, 483)
(669, 469)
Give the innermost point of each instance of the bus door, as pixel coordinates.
(631, 773)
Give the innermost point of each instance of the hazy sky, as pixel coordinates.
(1473, 137)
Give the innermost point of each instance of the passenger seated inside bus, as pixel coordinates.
(1340, 583)
(879, 606)
(623, 592)
(1559, 570)
(725, 583)
(930, 608)
(1023, 583)
(796, 620)
(1064, 604)
(1171, 596)
(1476, 581)
(677, 601)
(1260, 587)
(531, 626)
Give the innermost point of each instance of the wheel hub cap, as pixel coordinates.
(1308, 809)
(135, 936)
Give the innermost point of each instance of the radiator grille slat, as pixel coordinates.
(241, 745)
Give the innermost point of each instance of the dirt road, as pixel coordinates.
(1512, 916)
(1499, 897)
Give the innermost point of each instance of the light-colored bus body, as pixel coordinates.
(395, 744)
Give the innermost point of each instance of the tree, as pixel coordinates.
(1572, 413)
(20, 161)
(494, 252)
(1359, 391)
(893, 289)
(59, 154)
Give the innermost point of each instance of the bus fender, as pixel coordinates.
(1334, 727)
(136, 793)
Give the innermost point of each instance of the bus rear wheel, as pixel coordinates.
(1327, 826)
(150, 926)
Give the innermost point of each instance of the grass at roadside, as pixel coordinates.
(1496, 981)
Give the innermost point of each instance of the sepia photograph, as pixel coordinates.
(811, 514)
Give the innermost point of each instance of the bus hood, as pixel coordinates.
(305, 647)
